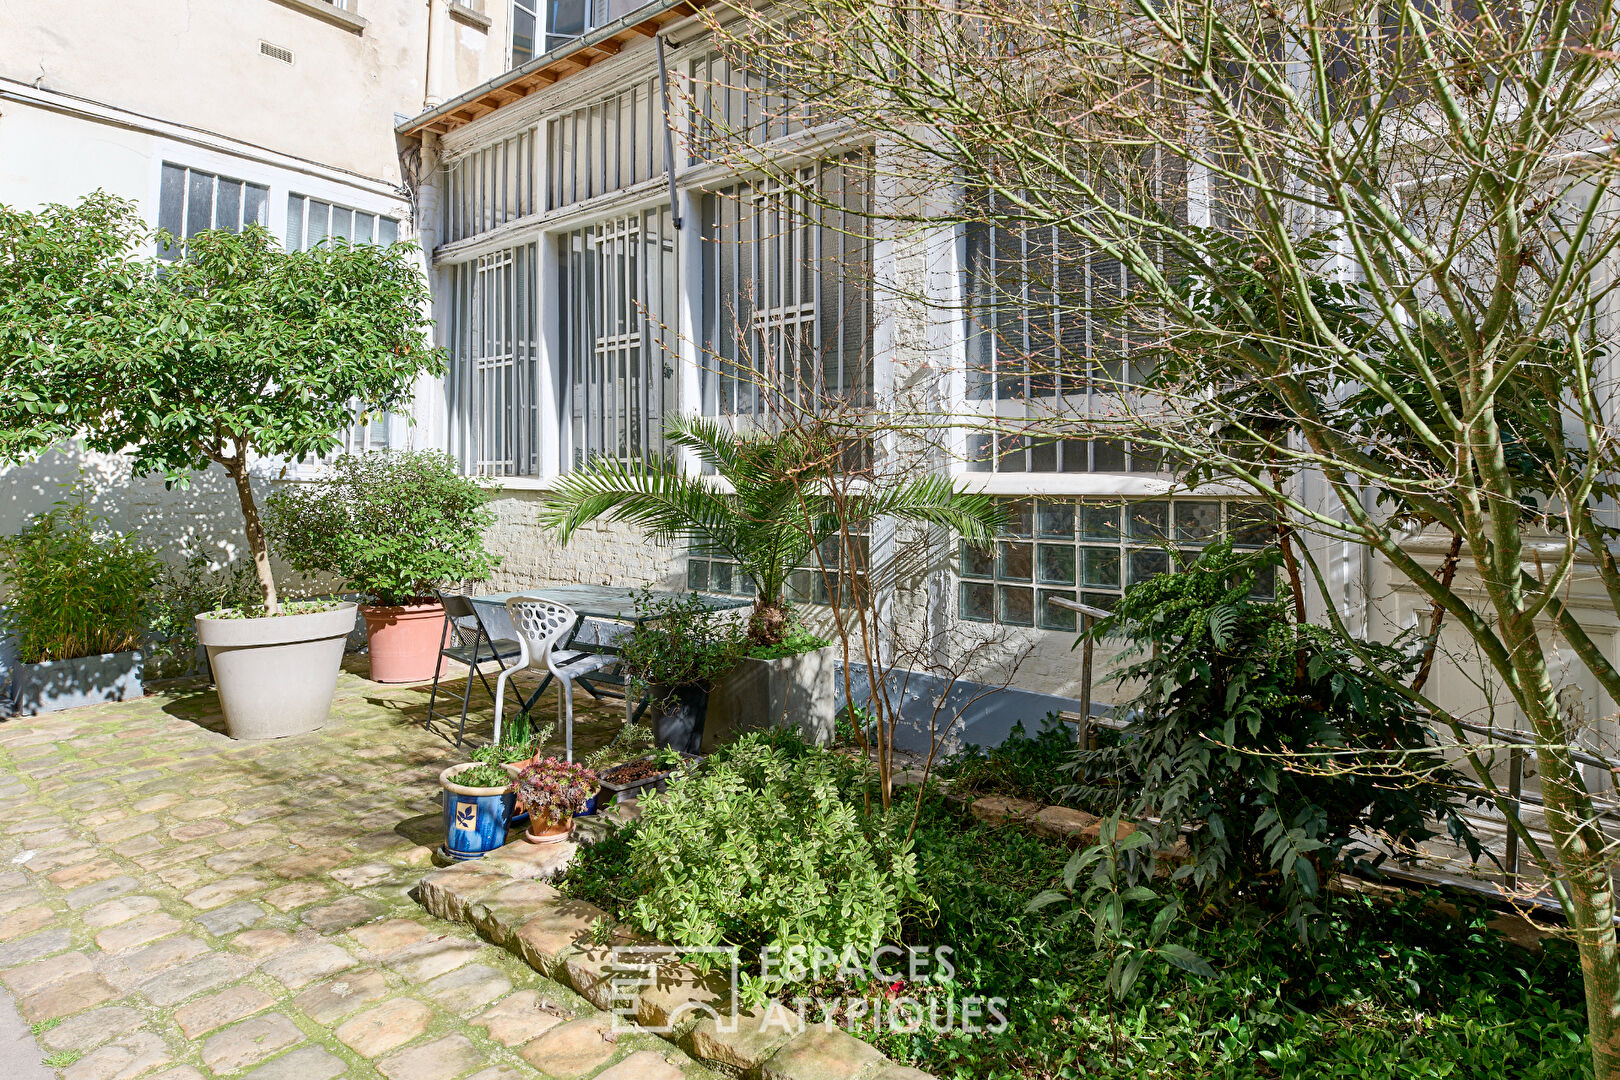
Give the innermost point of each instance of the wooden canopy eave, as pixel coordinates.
(543, 71)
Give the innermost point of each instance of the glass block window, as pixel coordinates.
(190, 200)
(311, 221)
(708, 570)
(1091, 551)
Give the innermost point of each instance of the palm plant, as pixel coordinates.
(768, 506)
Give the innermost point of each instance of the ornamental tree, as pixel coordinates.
(1188, 174)
(237, 350)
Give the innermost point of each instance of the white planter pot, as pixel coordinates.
(796, 691)
(276, 675)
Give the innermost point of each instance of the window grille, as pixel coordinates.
(787, 292)
(1093, 551)
(731, 103)
(310, 221)
(712, 571)
(1050, 332)
(618, 289)
(493, 383)
(190, 200)
(607, 145)
(488, 187)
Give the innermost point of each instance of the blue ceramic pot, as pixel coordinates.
(475, 819)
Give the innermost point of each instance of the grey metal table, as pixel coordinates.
(605, 603)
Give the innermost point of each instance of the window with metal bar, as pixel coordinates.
(607, 145)
(493, 383)
(787, 313)
(190, 200)
(618, 287)
(488, 187)
(1052, 332)
(310, 221)
(734, 103)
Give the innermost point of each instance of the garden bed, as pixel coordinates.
(1379, 988)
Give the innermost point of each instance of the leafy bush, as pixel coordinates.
(761, 846)
(184, 592)
(680, 642)
(394, 524)
(1022, 767)
(76, 587)
(798, 640)
(1271, 745)
(1384, 992)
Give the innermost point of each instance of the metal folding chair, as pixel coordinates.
(474, 647)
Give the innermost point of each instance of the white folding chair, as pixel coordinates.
(543, 626)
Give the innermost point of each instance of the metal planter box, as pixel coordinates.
(68, 684)
(794, 691)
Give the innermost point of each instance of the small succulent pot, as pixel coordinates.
(554, 792)
(548, 832)
(475, 819)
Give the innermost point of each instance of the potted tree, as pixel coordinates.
(77, 610)
(677, 652)
(551, 791)
(768, 506)
(235, 354)
(394, 525)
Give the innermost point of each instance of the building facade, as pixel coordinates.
(216, 115)
(600, 262)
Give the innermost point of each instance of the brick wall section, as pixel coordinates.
(601, 553)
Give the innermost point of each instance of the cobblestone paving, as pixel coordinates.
(177, 905)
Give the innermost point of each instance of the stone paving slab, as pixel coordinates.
(175, 905)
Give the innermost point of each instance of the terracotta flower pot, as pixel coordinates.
(547, 832)
(404, 642)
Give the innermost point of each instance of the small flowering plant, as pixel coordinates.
(553, 791)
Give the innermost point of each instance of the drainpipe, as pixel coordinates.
(432, 92)
(669, 133)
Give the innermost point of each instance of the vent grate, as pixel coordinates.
(275, 52)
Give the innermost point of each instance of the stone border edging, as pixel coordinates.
(506, 898)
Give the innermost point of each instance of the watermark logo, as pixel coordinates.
(635, 969)
(897, 990)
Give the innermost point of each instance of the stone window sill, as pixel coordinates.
(473, 18)
(328, 12)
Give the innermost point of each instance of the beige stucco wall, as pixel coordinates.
(601, 553)
(197, 62)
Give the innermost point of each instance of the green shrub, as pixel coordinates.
(1273, 747)
(75, 587)
(761, 847)
(1021, 767)
(798, 640)
(184, 592)
(393, 524)
(1383, 991)
(679, 642)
